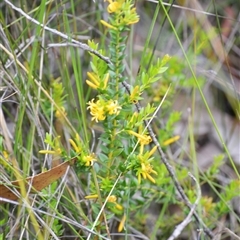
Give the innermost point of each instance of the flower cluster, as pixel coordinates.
(124, 12)
(145, 169)
(85, 159)
(89, 159)
(142, 164)
(101, 108)
(95, 82)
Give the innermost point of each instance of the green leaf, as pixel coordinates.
(93, 67)
(117, 152)
(103, 158)
(162, 70)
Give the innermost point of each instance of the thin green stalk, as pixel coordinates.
(159, 221)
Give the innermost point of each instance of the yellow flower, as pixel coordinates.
(125, 14)
(133, 22)
(101, 108)
(133, 18)
(144, 168)
(113, 107)
(113, 199)
(89, 159)
(114, 6)
(96, 110)
(145, 171)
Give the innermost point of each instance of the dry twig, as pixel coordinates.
(54, 31)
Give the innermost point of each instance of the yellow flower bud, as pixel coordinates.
(107, 25)
(94, 196)
(171, 140)
(121, 224)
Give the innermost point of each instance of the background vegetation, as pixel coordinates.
(179, 61)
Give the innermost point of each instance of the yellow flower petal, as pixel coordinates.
(75, 147)
(171, 140)
(96, 110)
(144, 175)
(119, 207)
(113, 107)
(92, 85)
(93, 78)
(107, 24)
(143, 139)
(152, 151)
(113, 7)
(149, 177)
